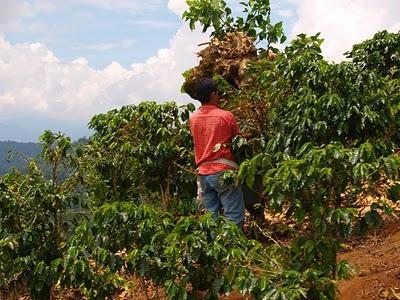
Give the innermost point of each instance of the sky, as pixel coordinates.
(62, 62)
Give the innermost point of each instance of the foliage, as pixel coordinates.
(332, 135)
(120, 237)
(380, 54)
(255, 21)
(198, 252)
(35, 220)
(232, 45)
(141, 152)
(224, 57)
(123, 239)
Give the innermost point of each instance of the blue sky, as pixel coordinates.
(61, 62)
(101, 34)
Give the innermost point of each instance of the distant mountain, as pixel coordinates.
(20, 152)
(29, 129)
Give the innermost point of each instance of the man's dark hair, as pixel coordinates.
(204, 87)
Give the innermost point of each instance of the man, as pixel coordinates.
(213, 129)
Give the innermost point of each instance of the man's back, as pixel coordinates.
(212, 129)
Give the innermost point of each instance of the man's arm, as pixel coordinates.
(236, 130)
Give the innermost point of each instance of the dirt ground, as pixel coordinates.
(377, 263)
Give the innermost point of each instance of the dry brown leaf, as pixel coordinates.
(226, 57)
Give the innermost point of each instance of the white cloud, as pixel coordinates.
(343, 23)
(177, 6)
(159, 77)
(13, 9)
(284, 13)
(35, 83)
(395, 27)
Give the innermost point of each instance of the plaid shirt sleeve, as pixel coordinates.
(233, 124)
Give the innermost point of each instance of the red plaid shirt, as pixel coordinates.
(211, 126)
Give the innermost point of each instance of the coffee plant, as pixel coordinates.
(332, 136)
(142, 152)
(37, 216)
(255, 21)
(184, 256)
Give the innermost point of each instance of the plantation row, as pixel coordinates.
(53, 234)
(325, 135)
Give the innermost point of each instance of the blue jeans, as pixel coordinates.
(216, 195)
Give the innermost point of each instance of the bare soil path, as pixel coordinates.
(377, 263)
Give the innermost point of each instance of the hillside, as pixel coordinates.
(376, 261)
(20, 151)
